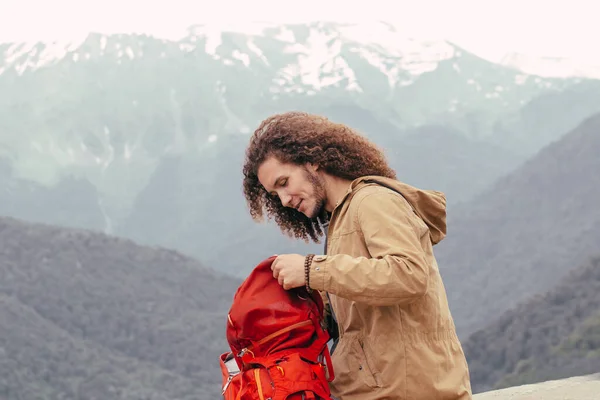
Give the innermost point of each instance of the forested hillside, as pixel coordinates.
(552, 336)
(86, 316)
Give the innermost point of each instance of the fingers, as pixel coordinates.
(275, 268)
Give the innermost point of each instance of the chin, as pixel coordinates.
(310, 215)
(314, 213)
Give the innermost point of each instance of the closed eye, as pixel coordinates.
(281, 182)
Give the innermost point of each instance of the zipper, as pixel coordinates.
(367, 361)
(273, 335)
(284, 330)
(327, 244)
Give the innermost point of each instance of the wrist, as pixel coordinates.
(307, 263)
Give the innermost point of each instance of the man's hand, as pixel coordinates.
(288, 269)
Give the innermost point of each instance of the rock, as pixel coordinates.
(576, 388)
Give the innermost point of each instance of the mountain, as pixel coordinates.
(146, 135)
(521, 236)
(551, 336)
(143, 138)
(41, 360)
(108, 107)
(72, 202)
(435, 156)
(546, 118)
(85, 314)
(551, 66)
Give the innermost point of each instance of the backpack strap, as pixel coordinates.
(229, 365)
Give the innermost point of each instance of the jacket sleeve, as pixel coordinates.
(397, 271)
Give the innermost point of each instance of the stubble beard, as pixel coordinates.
(319, 195)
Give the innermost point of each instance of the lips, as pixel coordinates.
(298, 205)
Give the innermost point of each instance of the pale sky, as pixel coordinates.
(489, 28)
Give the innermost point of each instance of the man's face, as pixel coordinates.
(297, 186)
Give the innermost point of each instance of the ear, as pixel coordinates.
(312, 167)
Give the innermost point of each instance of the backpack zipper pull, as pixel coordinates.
(229, 379)
(246, 354)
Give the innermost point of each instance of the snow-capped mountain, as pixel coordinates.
(560, 67)
(316, 48)
(240, 77)
(302, 59)
(110, 108)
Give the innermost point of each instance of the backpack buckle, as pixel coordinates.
(246, 354)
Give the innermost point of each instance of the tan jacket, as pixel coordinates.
(397, 337)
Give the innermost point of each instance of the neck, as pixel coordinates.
(336, 188)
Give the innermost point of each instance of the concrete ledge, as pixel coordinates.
(577, 388)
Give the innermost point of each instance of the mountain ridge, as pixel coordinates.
(137, 321)
(138, 98)
(557, 67)
(526, 231)
(551, 335)
(76, 350)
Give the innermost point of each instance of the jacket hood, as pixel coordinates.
(429, 205)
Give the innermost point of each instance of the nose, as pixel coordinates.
(286, 200)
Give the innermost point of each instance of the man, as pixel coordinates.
(397, 338)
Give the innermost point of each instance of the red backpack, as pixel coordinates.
(278, 342)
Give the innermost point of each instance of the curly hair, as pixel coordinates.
(300, 138)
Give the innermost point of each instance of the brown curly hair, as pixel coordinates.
(300, 138)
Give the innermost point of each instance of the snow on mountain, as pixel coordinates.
(234, 75)
(321, 51)
(556, 67)
(318, 62)
(33, 55)
(414, 55)
(319, 59)
(111, 107)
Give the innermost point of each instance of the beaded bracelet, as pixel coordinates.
(307, 262)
